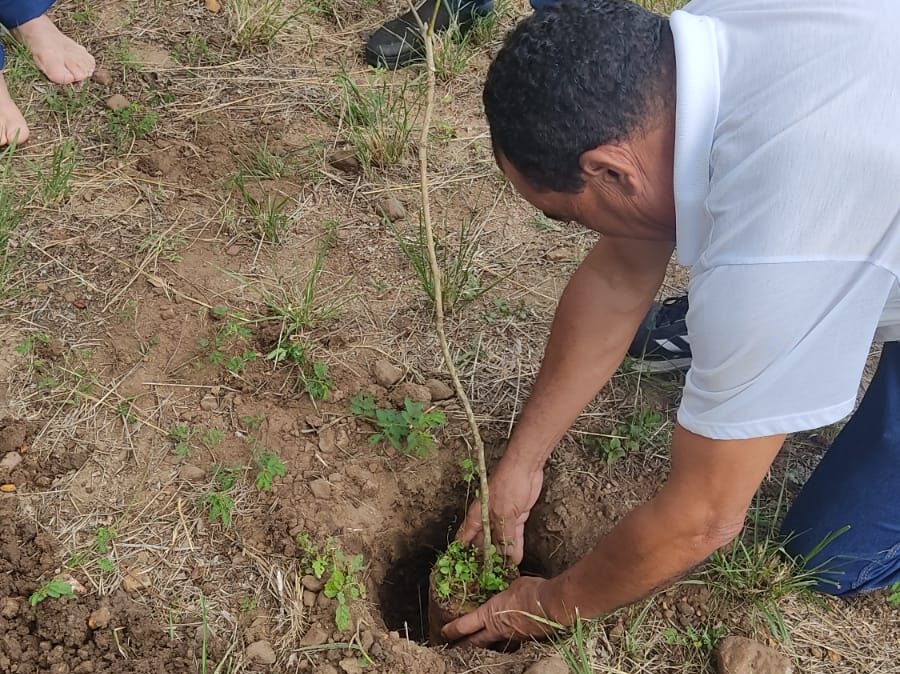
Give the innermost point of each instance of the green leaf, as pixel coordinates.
(342, 617)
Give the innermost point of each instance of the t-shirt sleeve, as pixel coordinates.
(778, 347)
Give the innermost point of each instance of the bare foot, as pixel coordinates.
(60, 58)
(13, 128)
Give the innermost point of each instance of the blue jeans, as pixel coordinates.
(856, 485)
(14, 13)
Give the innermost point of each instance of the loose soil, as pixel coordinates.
(108, 326)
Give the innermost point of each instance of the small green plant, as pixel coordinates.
(501, 310)
(378, 118)
(235, 364)
(267, 213)
(213, 437)
(316, 381)
(181, 434)
(342, 572)
(408, 430)
(218, 501)
(459, 574)
(55, 181)
(264, 164)
(270, 466)
(194, 51)
(251, 421)
(456, 257)
(544, 224)
(106, 565)
(233, 333)
(256, 23)
(894, 594)
(629, 437)
(469, 470)
(130, 124)
(52, 589)
(704, 639)
(103, 538)
(120, 52)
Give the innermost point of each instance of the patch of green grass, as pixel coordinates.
(194, 51)
(217, 500)
(213, 438)
(457, 256)
(267, 212)
(130, 124)
(343, 573)
(11, 214)
(257, 23)
(894, 594)
(378, 118)
(270, 466)
(20, 70)
(229, 346)
(641, 429)
(120, 52)
(756, 570)
(68, 101)
(264, 164)
(700, 641)
(181, 435)
(52, 589)
(55, 180)
(408, 430)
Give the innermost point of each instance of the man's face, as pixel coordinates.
(607, 204)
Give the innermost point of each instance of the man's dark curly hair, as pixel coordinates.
(571, 77)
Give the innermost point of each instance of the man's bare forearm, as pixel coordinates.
(595, 321)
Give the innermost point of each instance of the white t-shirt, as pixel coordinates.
(787, 181)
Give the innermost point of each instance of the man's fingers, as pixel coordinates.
(481, 639)
(460, 628)
(471, 527)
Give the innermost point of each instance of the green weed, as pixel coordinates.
(267, 213)
(103, 538)
(408, 430)
(270, 466)
(213, 437)
(130, 124)
(703, 640)
(343, 574)
(316, 381)
(181, 434)
(167, 246)
(55, 181)
(894, 594)
(218, 501)
(379, 118)
(256, 23)
(227, 347)
(456, 256)
(52, 589)
(120, 52)
(631, 436)
(194, 51)
(264, 164)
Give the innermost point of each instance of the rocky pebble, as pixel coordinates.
(738, 655)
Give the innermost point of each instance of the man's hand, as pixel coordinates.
(514, 490)
(506, 617)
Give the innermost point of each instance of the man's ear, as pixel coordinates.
(611, 166)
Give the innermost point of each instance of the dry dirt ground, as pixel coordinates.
(154, 256)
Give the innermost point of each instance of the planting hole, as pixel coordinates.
(403, 595)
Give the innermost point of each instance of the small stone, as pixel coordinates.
(312, 583)
(562, 255)
(415, 392)
(738, 655)
(327, 440)
(438, 389)
(99, 619)
(59, 668)
(209, 403)
(117, 102)
(42, 287)
(320, 488)
(552, 665)
(167, 314)
(9, 607)
(391, 208)
(386, 373)
(261, 652)
(191, 473)
(309, 598)
(10, 461)
(86, 667)
(345, 160)
(326, 669)
(367, 640)
(101, 77)
(350, 666)
(315, 636)
(233, 250)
